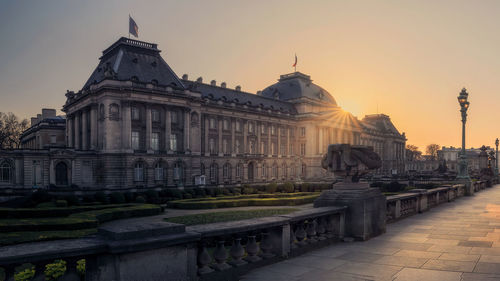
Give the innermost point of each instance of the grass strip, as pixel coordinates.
(230, 203)
(228, 216)
(31, 236)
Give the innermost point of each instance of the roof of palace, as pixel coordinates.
(380, 122)
(297, 85)
(129, 59)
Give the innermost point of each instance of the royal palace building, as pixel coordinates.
(135, 123)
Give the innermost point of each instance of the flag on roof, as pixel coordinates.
(132, 27)
(295, 63)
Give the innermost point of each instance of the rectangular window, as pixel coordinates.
(135, 113)
(155, 115)
(291, 132)
(262, 129)
(135, 140)
(273, 130)
(250, 127)
(86, 172)
(53, 139)
(212, 123)
(37, 173)
(283, 149)
(262, 147)
(238, 126)
(155, 141)
(302, 149)
(211, 144)
(291, 149)
(173, 142)
(237, 147)
(273, 148)
(174, 117)
(159, 172)
(226, 124)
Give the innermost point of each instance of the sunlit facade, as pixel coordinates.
(136, 124)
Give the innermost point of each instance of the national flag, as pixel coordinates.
(132, 27)
(295, 63)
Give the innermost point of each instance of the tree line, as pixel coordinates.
(413, 152)
(11, 128)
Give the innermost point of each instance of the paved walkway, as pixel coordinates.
(454, 241)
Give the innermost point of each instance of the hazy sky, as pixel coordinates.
(407, 59)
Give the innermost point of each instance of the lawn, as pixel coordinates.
(228, 216)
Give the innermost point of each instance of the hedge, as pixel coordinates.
(84, 220)
(52, 211)
(228, 203)
(248, 196)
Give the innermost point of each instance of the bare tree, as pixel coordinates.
(11, 129)
(432, 150)
(412, 152)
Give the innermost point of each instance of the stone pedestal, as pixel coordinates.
(469, 187)
(366, 208)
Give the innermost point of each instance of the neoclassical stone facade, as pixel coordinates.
(135, 123)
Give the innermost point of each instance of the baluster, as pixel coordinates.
(300, 234)
(266, 245)
(320, 229)
(292, 238)
(252, 249)
(204, 259)
(311, 232)
(220, 256)
(329, 227)
(237, 252)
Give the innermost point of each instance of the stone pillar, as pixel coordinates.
(168, 128)
(187, 129)
(148, 129)
(206, 140)
(288, 141)
(320, 138)
(77, 130)
(233, 138)
(219, 137)
(278, 142)
(84, 130)
(258, 144)
(69, 130)
(245, 134)
(269, 144)
(127, 126)
(93, 127)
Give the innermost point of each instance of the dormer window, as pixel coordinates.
(154, 82)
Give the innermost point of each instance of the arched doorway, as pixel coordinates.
(250, 171)
(61, 174)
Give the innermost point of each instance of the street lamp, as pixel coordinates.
(496, 158)
(464, 105)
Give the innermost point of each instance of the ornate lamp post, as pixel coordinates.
(496, 157)
(464, 105)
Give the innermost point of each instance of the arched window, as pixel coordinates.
(139, 172)
(202, 169)
(264, 170)
(5, 173)
(214, 170)
(211, 144)
(303, 170)
(225, 146)
(61, 174)
(251, 147)
(239, 168)
(159, 171)
(114, 111)
(226, 171)
(178, 171)
(275, 171)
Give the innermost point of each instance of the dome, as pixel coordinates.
(297, 85)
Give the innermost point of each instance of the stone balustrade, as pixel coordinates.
(420, 200)
(153, 250)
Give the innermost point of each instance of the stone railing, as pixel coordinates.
(420, 200)
(166, 251)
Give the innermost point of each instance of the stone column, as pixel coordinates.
(84, 130)
(219, 137)
(269, 144)
(168, 129)
(287, 152)
(278, 142)
(148, 129)
(245, 134)
(126, 126)
(320, 138)
(93, 127)
(257, 145)
(187, 128)
(77, 130)
(233, 138)
(207, 148)
(69, 130)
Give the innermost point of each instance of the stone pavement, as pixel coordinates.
(454, 241)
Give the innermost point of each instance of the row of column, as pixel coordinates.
(245, 148)
(328, 135)
(82, 129)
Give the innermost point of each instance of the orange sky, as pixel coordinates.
(408, 59)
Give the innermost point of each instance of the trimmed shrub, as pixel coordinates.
(305, 187)
(236, 190)
(101, 197)
(187, 195)
(140, 199)
(226, 191)
(117, 198)
(271, 188)
(46, 205)
(395, 186)
(228, 203)
(25, 274)
(217, 191)
(152, 194)
(61, 203)
(200, 192)
(248, 190)
(72, 200)
(129, 197)
(288, 187)
(55, 270)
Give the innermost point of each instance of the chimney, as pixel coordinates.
(39, 117)
(199, 80)
(48, 113)
(34, 121)
(238, 88)
(259, 93)
(213, 82)
(184, 77)
(223, 85)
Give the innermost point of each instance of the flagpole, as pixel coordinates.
(128, 26)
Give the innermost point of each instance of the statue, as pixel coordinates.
(351, 162)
